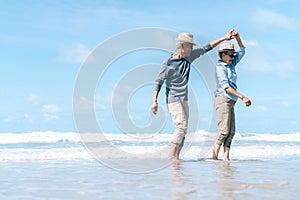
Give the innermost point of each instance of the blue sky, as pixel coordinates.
(44, 43)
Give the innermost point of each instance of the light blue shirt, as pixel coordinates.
(226, 75)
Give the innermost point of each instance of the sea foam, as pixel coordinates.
(42, 146)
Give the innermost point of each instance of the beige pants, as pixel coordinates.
(180, 114)
(226, 120)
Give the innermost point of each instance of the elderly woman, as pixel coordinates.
(227, 95)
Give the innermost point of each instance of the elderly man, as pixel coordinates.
(175, 72)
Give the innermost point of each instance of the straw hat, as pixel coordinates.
(186, 38)
(226, 47)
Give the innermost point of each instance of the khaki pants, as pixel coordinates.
(226, 120)
(180, 113)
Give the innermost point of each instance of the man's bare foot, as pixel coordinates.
(215, 158)
(177, 161)
(216, 151)
(173, 159)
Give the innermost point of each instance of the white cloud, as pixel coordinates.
(295, 123)
(50, 108)
(75, 53)
(28, 118)
(269, 19)
(84, 103)
(257, 60)
(259, 109)
(101, 102)
(260, 64)
(50, 117)
(249, 43)
(49, 111)
(33, 98)
(284, 68)
(283, 103)
(19, 118)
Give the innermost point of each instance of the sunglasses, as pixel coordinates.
(188, 45)
(229, 54)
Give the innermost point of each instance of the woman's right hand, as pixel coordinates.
(246, 101)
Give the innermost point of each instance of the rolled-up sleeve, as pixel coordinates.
(221, 76)
(239, 55)
(161, 77)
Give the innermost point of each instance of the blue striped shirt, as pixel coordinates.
(175, 73)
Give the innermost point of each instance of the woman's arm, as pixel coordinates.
(238, 38)
(246, 100)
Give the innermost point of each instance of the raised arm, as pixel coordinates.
(216, 42)
(236, 35)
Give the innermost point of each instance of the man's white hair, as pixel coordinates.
(178, 44)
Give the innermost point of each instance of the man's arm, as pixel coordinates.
(158, 83)
(216, 42)
(154, 102)
(197, 52)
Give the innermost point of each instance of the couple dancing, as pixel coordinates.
(175, 72)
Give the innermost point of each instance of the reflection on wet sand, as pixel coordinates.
(232, 183)
(181, 182)
(228, 185)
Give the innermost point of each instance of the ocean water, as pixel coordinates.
(52, 165)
